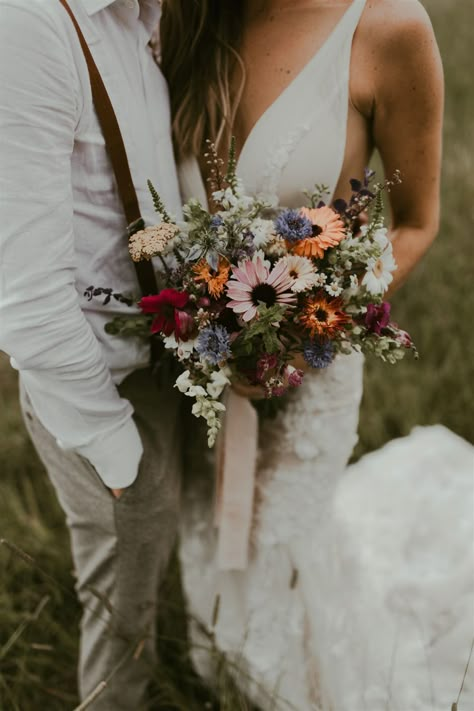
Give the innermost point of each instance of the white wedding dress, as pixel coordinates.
(359, 591)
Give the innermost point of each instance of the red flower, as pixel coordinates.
(170, 318)
(377, 317)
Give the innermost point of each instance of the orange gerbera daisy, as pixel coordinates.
(323, 316)
(215, 280)
(328, 231)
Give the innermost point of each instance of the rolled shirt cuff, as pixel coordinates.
(116, 455)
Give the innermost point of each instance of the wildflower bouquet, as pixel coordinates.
(248, 286)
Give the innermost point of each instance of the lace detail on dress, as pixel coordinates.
(276, 161)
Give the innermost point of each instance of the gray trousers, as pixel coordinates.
(120, 548)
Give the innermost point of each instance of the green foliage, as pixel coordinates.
(264, 330)
(319, 192)
(158, 202)
(126, 326)
(231, 177)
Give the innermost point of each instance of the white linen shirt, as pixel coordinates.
(62, 226)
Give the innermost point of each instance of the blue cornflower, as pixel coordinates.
(293, 226)
(318, 354)
(213, 344)
(216, 221)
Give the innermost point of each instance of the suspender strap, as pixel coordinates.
(118, 156)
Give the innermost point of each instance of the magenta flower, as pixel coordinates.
(170, 318)
(266, 363)
(377, 317)
(252, 283)
(404, 339)
(294, 376)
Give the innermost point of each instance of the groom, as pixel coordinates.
(105, 429)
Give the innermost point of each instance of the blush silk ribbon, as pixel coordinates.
(236, 463)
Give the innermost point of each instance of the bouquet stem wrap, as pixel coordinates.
(236, 463)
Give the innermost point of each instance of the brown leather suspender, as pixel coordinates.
(118, 156)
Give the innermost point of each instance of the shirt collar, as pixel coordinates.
(150, 10)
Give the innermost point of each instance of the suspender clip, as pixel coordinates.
(135, 226)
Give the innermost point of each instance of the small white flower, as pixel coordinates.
(379, 275)
(347, 264)
(354, 281)
(320, 279)
(262, 231)
(183, 382)
(333, 289)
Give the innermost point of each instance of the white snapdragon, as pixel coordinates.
(209, 409)
(183, 349)
(183, 382)
(219, 379)
(196, 391)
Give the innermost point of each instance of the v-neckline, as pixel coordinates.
(296, 78)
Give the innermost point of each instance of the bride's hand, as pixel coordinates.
(252, 392)
(299, 363)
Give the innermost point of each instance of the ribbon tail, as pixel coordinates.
(235, 485)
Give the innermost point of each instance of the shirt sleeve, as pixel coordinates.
(42, 326)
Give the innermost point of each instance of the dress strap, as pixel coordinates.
(348, 23)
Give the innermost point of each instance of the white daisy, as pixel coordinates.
(301, 270)
(333, 289)
(379, 274)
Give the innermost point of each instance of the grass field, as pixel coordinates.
(38, 612)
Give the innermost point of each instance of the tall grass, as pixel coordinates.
(39, 614)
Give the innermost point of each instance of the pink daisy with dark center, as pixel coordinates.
(253, 283)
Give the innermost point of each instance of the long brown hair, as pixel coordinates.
(199, 58)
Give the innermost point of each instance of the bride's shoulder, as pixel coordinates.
(393, 24)
(394, 49)
(395, 40)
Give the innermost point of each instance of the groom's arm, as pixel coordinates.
(42, 326)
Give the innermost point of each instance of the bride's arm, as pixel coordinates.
(407, 124)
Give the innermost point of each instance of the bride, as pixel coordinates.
(309, 88)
